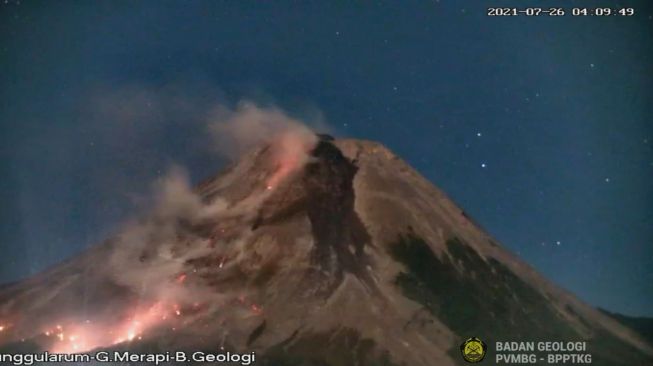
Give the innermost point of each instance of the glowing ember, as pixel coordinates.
(176, 308)
(256, 309)
(2, 328)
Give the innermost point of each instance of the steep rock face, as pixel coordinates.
(354, 259)
(470, 282)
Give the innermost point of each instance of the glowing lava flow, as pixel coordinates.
(285, 167)
(75, 338)
(292, 153)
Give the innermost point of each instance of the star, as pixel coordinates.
(591, 66)
(478, 134)
(483, 165)
(558, 242)
(607, 180)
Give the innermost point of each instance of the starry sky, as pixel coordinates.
(541, 128)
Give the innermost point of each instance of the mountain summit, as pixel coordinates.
(345, 256)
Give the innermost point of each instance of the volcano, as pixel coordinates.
(349, 258)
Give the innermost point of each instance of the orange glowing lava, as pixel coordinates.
(286, 167)
(75, 338)
(292, 153)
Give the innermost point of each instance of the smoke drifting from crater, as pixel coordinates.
(147, 257)
(150, 257)
(236, 131)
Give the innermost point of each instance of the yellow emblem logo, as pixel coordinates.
(473, 350)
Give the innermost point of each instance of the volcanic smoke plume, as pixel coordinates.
(237, 131)
(147, 262)
(150, 255)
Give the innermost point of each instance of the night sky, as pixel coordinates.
(540, 128)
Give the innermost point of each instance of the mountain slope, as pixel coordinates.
(347, 258)
(642, 325)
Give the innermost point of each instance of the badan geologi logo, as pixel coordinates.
(473, 350)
